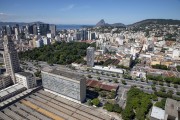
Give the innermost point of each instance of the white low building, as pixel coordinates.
(49, 35)
(46, 41)
(26, 79)
(138, 74)
(157, 113)
(108, 69)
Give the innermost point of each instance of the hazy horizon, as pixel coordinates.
(88, 12)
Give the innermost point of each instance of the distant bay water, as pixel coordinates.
(62, 27)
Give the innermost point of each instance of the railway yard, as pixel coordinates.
(43, 105)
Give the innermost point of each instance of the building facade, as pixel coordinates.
(5, 81)
(39, 42)
(90, 56)
(26, 79)
(10, 57)
(172, 109)
(42, 29)
(69, 85)
(53, 29)
(84, 34)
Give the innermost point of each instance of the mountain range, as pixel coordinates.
(156, 21)
(19, 23)
(103, 23)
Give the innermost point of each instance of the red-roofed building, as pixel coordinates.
(88, 41)
(101, 85)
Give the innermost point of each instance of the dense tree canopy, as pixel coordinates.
(161, 103)
(178, 68)
(96, 101)
(58, 53)
(137, 105)
(173, 80)
(158, 66)
(112, 107)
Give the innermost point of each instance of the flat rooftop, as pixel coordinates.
(24, 73)
(157, 113)
(102, 85)
(68, 74)
(10, 89)
(43, 105)
(109, 69)
(171, 107)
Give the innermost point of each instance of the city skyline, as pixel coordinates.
(88, 12)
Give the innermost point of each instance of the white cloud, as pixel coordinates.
(5, 16)
(69, 7)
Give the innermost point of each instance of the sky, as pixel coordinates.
(87, 11)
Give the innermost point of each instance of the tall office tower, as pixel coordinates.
(78, 36)
(1, 32)
(89, 35)
(16, 31)
(90, 56)
(93, 36)
(52, 28)
(10, 57)
(4, 30)
(35, 29)
(8, 29)
(30, 29)
(42, 29)
(84, 34)
(23, 28)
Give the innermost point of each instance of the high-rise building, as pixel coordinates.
(69, 85)
(30, 29)
(84, 34)
(52, 28)
(8, 29)
(46, 41)
(10, 57)
(1, 33)
(93, 36)
(16, 31)
(89, 35)
(42, 29)
(78, 36)
(90, 56)
(39, 42)
(35, 29)
(4, 30)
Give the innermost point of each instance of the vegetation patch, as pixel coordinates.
(58, 53)
(137, 105)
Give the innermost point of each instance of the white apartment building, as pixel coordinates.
(26, 79)
(46, 41)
